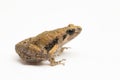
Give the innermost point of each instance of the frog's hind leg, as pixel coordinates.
(53, 62)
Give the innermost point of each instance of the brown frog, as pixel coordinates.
(46, 45)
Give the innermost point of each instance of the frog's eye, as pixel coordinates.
(70, 31)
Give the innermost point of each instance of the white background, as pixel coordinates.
(94, 54)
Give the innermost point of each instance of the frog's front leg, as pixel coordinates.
(52, 57)
(60, 51)
(63, 48)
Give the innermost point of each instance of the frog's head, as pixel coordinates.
(73, 31)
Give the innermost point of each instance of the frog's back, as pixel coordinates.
(47, 37)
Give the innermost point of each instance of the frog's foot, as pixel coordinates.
(61, 50)
(53, 62)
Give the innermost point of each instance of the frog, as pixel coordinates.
(47, 45)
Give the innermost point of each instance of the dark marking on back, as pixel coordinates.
(51, 45)
(70, 31)
(64, 36)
